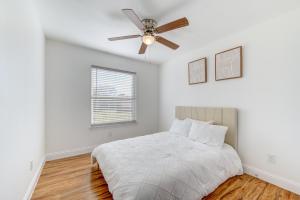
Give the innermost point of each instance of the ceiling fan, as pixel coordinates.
(150, 30)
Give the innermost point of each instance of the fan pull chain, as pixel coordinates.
(146, 55)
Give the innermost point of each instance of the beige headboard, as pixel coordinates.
(223, 116)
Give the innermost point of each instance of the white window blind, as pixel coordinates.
(113, 96)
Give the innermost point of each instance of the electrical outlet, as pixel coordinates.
(272, 159)
(31, 165)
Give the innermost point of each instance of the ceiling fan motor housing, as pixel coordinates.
(149, 26)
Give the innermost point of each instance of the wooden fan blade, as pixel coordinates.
(173, 25)
(134, 18)
(123, 37)
(166, 42)
(143, 48)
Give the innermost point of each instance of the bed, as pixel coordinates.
(167, 166)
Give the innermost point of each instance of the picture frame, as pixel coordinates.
(197, 71)
(229, 64)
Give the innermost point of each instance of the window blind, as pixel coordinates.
(113, 96)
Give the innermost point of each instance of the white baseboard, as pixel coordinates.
(69, 153)
(34, 180)
(274, 179)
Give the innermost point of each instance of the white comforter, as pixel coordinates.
(164, 166)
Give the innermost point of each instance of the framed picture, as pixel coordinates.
(229, 64)
(197, 71)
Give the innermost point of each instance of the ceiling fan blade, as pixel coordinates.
(123, 37)
(166, 42)
(143, 48)
(173, 25)
(134, 18)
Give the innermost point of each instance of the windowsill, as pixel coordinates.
(112, 124)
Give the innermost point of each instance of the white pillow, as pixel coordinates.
(181, 127)
(212, 122)
(213, 135)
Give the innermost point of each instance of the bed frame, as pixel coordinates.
(223, 116)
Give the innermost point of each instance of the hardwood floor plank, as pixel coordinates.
(75, 178)
(254, 189)
(271, 192)
(230, 189)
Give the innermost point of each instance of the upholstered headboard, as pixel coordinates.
(223, 116)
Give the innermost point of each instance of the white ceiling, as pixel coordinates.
(90, 22)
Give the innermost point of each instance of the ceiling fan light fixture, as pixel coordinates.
(148, 39)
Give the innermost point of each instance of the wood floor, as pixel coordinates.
(74, 178)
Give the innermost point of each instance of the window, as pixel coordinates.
(113, 96)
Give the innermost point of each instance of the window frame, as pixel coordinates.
(91, 97)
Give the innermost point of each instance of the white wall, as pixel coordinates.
(68, 98)
(267, 96)
(21, 98)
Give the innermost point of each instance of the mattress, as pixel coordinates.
(165, 166)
